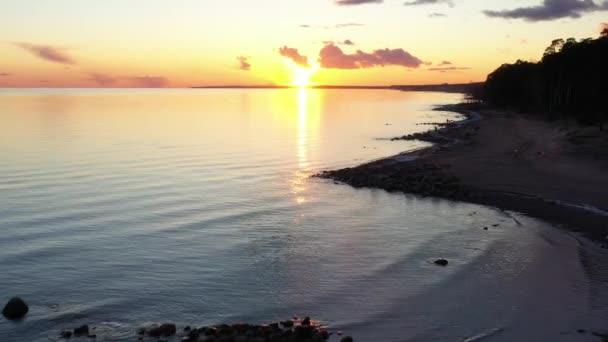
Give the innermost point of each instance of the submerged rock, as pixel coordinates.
(16, 308)
(66, 334)
(346, 339)
(441, 262)
(82, 330)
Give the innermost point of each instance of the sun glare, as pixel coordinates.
(302, 76)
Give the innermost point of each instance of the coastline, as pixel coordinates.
(501, 159)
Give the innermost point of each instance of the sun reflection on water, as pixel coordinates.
(303, 171)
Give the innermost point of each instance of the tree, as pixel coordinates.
(555, 47)
(604, 32)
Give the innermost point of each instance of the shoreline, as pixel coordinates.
(499, 159)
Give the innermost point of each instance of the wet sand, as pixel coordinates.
(553, 170)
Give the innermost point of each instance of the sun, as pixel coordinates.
(302, 76)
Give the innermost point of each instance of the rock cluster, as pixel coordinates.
(411, 177)
(284, 331)
(81, 331)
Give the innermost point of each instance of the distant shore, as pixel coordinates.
(445, 87)
(556, 171)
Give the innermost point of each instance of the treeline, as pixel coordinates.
(570, 80)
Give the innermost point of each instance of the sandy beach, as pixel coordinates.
(553, 170)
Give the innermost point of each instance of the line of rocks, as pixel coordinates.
(410, 177)
(284, 331)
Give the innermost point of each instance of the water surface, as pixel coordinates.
(120, 207)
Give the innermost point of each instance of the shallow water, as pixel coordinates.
(121, 207)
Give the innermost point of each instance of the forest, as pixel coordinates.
(571, 80)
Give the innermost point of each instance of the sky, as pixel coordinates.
(184, 43)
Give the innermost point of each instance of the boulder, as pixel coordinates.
(441, 262)
(16, 308)
(346, 339)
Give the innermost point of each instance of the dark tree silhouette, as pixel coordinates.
(605, 32)
(570, 80)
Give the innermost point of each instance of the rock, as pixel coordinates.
(485, 228)
(304, 331)
(347, 339)
(16, 308)
(287, 324)
(306, 321)
(81, 330)
(165, 329)
(441, 262)
(92, 336)
(66, 334)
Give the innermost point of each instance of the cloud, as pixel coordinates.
(48, 53)
(551, 10)
(356, 2)
(445, 63)
(148, 81)
(437, 15)
(428, 2)
(329, 27)
(244, 63)
(5, 74)
(102, 80)
(332, 57)
(295, 56)
(345, 42)
(447, 69)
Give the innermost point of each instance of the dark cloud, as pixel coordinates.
(5, 74)
(48, 53)
(295, 56)
(244, 63)
(437, 15)
(329, 27)
(356, 2)
(551, 10)
(148, 81)
(428, 2)
(445, 63)
(348, 42)
(448, 69)
(102, 80)
(332, 57)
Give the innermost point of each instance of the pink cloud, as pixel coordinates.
(149, 81)
(101, 79)
(244, 63)
(48, 53)
(295, 56)
(332, 57)
(603, 27)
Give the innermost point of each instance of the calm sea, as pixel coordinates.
(121, 207)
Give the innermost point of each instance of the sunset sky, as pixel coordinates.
(182, 43)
